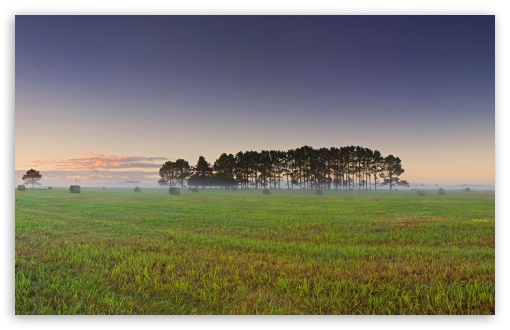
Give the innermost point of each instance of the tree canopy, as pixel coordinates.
(32, 177)
(174, 172)
(391, 170)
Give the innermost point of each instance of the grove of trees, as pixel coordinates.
(344, 168)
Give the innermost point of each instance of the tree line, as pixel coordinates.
(344, 168)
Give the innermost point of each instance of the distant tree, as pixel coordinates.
(391, 170)
(253, 159)
(224, 168)
(286, 166)
(292, 171)
(32, 177)
(264, 167)
(242, 169)
(167, 174)
(320, 168)
(174, 172)
(182, 170)
(376, 165)
(278, 159)
(203, 172)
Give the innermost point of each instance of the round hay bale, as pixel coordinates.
(467, 189)
(421, 192)
(318, 192)
(74, 189)
(138, 189)
(174, 191)
(266, 192)
(21, 187)
(194, 190)
(441, 191)
(50, 188)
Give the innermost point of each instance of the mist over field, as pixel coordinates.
(64, 184)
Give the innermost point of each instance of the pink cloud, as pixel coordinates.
(93, 160)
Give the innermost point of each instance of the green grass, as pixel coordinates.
(225, 252)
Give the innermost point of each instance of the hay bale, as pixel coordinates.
(441, 191)
(318, 192)
(50, 188)
(21, 187)
(467, 189)
(421, 192)
(74, 189)
(138, 189)
(174, 191)
(194, 190)
(266, 192)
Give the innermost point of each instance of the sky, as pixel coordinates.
(105, 99)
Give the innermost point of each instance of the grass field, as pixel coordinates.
(240, 252)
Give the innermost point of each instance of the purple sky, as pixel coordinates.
(168, 87)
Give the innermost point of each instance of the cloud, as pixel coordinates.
(92, 160)
(39, 162)
(36, 163)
